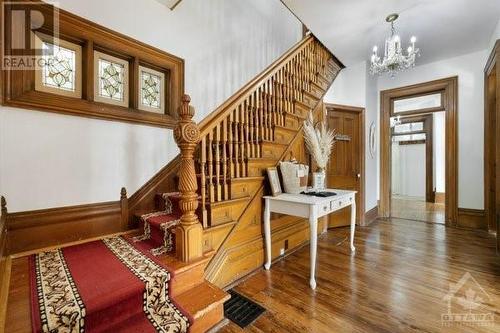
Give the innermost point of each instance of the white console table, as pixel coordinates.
(310, 207)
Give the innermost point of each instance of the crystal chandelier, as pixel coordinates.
(394, 60)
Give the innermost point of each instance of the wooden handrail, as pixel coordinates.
(236, 130)
(222, 111)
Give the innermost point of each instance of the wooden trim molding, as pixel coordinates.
(371, 215)
(37, 229)
(472, 218)
(361, 152)
(19, 88)
(449, 86)
(492, 142)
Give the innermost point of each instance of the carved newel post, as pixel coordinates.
(189, 233)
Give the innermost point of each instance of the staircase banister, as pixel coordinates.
(215, 117)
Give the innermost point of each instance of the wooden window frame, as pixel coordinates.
(18, 86)
(419, 111)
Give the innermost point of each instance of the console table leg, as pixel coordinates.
(353, 224)
(267, 234)
(313, 227)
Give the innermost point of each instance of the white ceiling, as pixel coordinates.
(444, 28)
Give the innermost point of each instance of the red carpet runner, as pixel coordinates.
(102, 286)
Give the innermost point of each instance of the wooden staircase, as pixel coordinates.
(221, 173)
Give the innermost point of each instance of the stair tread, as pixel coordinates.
(225, 202)
(244, 179)
(201, 299)
(284, 128)
(177, 266)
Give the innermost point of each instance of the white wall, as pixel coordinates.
(354, 82)
(408, 170)
(469, 69)
(494, 36)
(50, 160)
(439, 160)
(355, 87)
(349, 88)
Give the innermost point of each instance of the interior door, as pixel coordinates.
(344, 169)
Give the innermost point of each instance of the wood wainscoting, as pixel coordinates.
(37, 229)
(371, 215)
(472, 219)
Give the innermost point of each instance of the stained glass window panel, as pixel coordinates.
(112, 80)
(151, 90)
(58, 67)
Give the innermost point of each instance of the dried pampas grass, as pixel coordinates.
(319, 141)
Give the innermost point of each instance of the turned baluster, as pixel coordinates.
(224, 160)
(246, 115)
(259, 101)
(216, 145)
(189, 233)
(236, 142)
(230, 144)
(267, 105)
(210, 162)
(243, 153)
(251, 108)
(203, 180)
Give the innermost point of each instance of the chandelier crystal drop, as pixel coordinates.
(394, 60)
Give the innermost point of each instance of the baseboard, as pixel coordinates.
(50, 227)
(472, 218)
(439, 197)
(371, 215)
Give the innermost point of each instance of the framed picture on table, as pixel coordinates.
(274, 181)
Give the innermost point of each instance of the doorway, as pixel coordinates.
(405, 104)
(346, 167)
(417, 167)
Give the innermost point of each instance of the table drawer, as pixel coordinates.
(340, 203)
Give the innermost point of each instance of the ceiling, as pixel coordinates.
(444, 28)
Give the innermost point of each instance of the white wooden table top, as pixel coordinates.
(309, 199)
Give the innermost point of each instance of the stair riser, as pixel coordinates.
(184, 281)
(301, 110)
(323, 82)
(316, 91)
(271, 150)
(291, 121)
(224, 213)
(208, 320)
(258, 168)
(283, 136)
(242, 189)
(310, 100)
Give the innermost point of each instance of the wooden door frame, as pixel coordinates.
(493, 63)
(429, 150)
(449, 88)
(330, 107)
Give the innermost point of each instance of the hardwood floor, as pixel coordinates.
(419, 210)
(395, 282)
